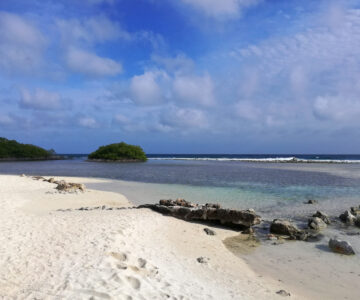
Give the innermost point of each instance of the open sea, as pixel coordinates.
(275, 185)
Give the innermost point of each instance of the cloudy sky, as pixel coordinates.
(182, 76)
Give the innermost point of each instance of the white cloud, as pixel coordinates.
(90, 30)
(221, 9)
(21, 44)
(194, 89)
(88, 122)
(147, 89)
(184, 118)
(338, 108)
(40, 100)
(6, 120)
(88, 63)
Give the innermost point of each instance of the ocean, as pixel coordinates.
(275, 185)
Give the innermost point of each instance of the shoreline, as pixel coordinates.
(107, 253)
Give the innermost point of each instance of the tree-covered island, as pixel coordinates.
(119, 152)
(13, 150)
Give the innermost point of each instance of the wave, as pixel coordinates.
(266, 160)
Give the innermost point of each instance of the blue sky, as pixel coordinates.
(182, 76)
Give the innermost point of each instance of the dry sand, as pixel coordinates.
(111, 254)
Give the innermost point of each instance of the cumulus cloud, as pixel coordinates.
(21, 44)
(90, 64)
(146, 89)
(6, 120)
(40, 100)
(195, 89)
(224, 9)
(184, 118)
(88, 122)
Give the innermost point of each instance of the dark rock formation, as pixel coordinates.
(191, 212)
(322, 216)
(341, 247)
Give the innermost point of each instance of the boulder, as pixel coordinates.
(284, 227)
(347, 217)
(342, 247)
(357, 221)
(322, 216)
(316, 223)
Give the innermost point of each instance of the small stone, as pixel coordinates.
(342, 247)
(209, 231)
(272, 237)
(22, 175)
(202, 260)
(283, 227)
(283, 293)
(347, 217)
(311, 201)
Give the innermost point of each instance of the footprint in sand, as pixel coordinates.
(119, 256)
(134, 282)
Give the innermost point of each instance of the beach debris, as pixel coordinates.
(284, 227)
(194, 212)
(202, 260)
(69, 187)
(342, 247)
(347, 217)
(316, 223)
(272, 237)
(209, 231)
(283, 293)
(311, 201)
(322, 216)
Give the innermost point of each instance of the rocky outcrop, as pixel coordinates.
(342, 247)
(210, 212)
(316, 223)
(69, 187)
(284, 227)
(322, 216)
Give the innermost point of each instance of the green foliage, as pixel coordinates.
(13, 149)
(120, 151)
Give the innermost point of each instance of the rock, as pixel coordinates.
(316, 223)
(202, 260)
(355, 211)
(212, 205)
(341, 247)
(22, 175)
(347, 217)
(194, 212)
(272, 237)
(283, 293)
(357, 221)
(51, 180)
(312, 238)
(38, 178)
(311, 202)
(284, 227)
(66, 187)
(322, 216)
(209, 231)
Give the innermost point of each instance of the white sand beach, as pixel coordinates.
(111, 254)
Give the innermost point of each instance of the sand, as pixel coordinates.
(112, 254)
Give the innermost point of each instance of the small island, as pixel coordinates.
(12, 150)
(120, 152)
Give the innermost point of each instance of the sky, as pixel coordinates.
(182, 76)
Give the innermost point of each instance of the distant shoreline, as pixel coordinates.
(10, 159)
